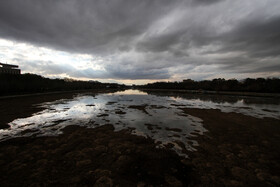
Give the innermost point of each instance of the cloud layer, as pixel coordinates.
(149, 39)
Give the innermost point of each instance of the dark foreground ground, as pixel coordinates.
(238, 150)
(86, 157)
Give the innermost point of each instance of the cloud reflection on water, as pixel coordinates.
(158, 117)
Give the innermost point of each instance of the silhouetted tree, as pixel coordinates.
(31, 83)
(247, 85)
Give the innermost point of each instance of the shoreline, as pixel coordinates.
(60, 92)
(26, 107)
(205, 92)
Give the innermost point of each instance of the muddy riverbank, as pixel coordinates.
(21, 106)
(237, 150)
(82, 157)
(227, 141)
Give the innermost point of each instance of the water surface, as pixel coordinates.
(156, 115)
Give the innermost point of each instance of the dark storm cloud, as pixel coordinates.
(141, 73)
(205, 2)
(84, 26)
(51, 68)
(259, 41)
(162, 42)
(149, 39)
(44, 67)
(257, 38)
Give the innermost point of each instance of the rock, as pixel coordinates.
(264, 142)
(100, 149)
(87, 150)
(208, 164)
(78, 155)
(276, 179)
(173, 170)
(233, 183)
(20, 167)
(141, 184)
(262, 161)
(239, 173)
(262, 176)
(172, 181)
(35, 185)
(104, 181)
(50, 141)
(83, 163)
(11, 150)
(76, 179)
(252, 165)
(123, 158)
(101, 172)
(186, 162)
(42, 162)
(205, 179)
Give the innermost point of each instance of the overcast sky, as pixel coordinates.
(140, 41)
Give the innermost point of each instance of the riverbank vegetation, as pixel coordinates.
(32, 83)
(261, 85)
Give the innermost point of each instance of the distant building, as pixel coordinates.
(9, 69)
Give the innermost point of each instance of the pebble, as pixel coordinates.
(172, 181)
(239, 173)
(83, 163)
(104, 182)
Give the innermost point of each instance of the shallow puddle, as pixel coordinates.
(156, 116)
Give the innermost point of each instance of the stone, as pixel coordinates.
(172, 181)
(104, 181)
(239, 173)
(233, 183)
(42, 162)
(100, 149)
(276, 179)
(141, 184)
(75, 179)
(83, 163)
(262, 176)
(101, 172)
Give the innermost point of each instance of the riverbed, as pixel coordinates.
(226, 128)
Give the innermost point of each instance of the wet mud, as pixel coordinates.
(20, 107)
(88, 140)
(24, 106)
(87, 157)
(140, 107)
(237, 150)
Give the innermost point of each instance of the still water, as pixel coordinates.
(154, 114)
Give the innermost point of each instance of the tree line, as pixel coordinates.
(32, 83)
(269, 85)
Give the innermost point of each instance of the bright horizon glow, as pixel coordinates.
(19, 53)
